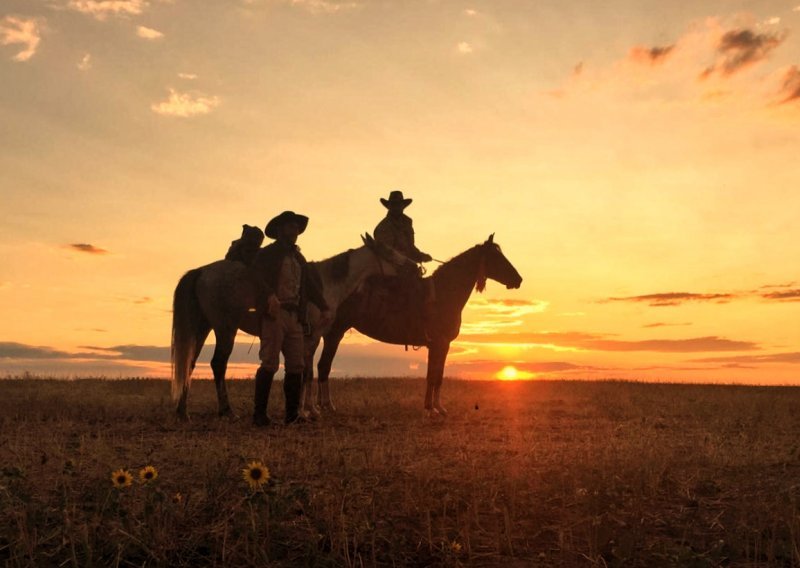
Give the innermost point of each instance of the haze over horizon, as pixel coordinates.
(636, 161)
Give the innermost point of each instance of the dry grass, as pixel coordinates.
(520, 474)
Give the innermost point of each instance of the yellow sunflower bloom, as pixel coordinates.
(121, 478)
(148, 474)
(255, 474)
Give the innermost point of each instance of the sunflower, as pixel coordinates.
(255, 474)
(121, 478)
(148, 474)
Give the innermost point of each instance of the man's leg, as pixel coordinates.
(293, 363)
(268, 353)
(263, 386)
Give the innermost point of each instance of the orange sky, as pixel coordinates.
(636, 161)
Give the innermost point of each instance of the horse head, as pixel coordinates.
(386, 254)
(495, 266)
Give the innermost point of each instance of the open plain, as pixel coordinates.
(520, 473)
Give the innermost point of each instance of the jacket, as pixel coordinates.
(266, 271)
(398, 233)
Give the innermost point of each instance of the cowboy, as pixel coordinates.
(282, 273)
(396, 229)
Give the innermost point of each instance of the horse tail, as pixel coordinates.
(189, 328)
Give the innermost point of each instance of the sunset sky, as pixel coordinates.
(638, 162)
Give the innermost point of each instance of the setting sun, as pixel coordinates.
(508, 373)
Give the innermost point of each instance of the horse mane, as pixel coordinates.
(459, 260)
(456, 261)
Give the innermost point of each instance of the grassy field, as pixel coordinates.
(519, 474)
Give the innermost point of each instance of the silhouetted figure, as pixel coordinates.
(284, 278)
(397, 231)
(245, 248)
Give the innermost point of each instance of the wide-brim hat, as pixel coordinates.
(286, 217)
(396, 197)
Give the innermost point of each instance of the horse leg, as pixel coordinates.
(437, 355)
(307, 406)
(219, 364)
(330, 345)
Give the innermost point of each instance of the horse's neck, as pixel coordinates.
(456, 278)
(362, 264)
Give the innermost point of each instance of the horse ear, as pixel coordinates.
(490, 239)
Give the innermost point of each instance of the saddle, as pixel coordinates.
(245, 248)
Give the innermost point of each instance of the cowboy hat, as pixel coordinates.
(286, 217)
(394, 198)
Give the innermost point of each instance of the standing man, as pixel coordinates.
(396, 229)
(282, 273)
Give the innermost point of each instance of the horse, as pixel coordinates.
(224, 296)
(373, 312)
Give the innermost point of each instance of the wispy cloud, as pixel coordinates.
(185, 105)
(148, 33)
(742, 48)
(791, 357)
(87, 248)
(663, 324)
(595, 342)
(650, 55)
(13, 350)
(24, 32)
(675, 298)
(86, 62)
(464, 48)
(101, 9)
(790, 89)
(507, 307)
(790, 295)
(470, 12)
(713, 49)
(187, 76)
(133, 352)
(324, 6)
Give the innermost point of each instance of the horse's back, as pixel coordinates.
(228, 295)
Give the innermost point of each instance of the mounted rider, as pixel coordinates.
(396, 230)
(283, 275)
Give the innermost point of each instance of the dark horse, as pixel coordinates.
(223, 296)
(379, 313)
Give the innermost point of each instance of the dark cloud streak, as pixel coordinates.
(87, 248)
(742, 48)
(675, 298)
(651, 55)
